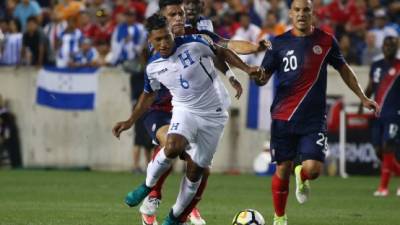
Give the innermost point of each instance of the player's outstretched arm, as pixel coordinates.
(351, 81)
(247, 47)
(143, 104)
(238, 46)
(234, 60)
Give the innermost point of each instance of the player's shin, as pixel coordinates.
(157, 168)
(280, 192)
(186, 194)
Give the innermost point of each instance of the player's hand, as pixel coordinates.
(253, 71)
(120, 127)
(371, 105)
(264, 45)
(237, 85)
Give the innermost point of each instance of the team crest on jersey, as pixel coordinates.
(317, 49)
(290, 52)
(392, 72)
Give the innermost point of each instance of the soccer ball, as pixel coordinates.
(248, 217)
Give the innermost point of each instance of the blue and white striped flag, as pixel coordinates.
(66, 88)
(259, 104)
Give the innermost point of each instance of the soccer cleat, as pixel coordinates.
(280, 220)
(381, 192)
(149, 219)
(302, 187)
(136, 196)
(171, 220)
(398, 192)
(195, 218)
(150, 205)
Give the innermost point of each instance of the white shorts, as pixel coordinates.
(203, 133)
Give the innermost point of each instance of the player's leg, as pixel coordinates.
(312, 147)
(176, 144)
(283, 151)
(199, 158)
(390, 136)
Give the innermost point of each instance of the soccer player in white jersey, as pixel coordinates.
(185, 66)
(156, 118)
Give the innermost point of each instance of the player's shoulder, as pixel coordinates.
(187, 39)
(155, 64)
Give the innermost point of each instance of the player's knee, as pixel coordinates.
(283, 170)
(175, 145)
(313, 172)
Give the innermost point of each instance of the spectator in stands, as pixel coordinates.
(94, 6)
(271, 26)
(247, 32)
(68, 43)
(26, 9)
(370, 52)
(103, 28)
(348, 51)
(35, 45)
(128, 39)
(9, 135)
(53, 31)
(381, 27)
(11, 52)
(105, 56)
(87, 56)
(69, 9)
(87, 25)
(7, 8)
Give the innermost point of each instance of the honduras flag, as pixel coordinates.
(259, 104)
(67, 88)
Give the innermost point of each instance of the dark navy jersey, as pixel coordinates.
(299, 64)
(385, 78)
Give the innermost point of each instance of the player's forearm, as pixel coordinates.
(242, 47)
(368, 91)
(351, 81)
(143, 104)
(232, 59)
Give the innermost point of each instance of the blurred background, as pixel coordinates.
(107, 36)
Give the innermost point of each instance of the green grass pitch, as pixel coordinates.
(96, 198)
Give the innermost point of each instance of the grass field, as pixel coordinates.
(96, 198)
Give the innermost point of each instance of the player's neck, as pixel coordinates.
(303, 33)
(390, 59)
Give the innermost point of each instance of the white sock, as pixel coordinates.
(186, 194)
(157, 168)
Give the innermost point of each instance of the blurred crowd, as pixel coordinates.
(73, 33)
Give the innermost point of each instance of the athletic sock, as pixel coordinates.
(186, 194)
(387, 160)
(156, 190)
(157, 168)
(280, 192)
(183, 217)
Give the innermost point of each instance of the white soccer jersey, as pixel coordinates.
(206, 24)
(189, 74)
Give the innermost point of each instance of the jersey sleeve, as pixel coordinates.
(150, 84)
(271, 62)
(335, 57)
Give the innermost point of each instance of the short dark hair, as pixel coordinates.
(155, 22)
(17, 23)
(32, 19)
(163, 3)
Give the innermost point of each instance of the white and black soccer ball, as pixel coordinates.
(248, 217)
